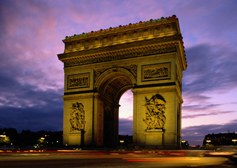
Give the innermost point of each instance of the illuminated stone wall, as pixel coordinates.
(157, 102)
(147, 57)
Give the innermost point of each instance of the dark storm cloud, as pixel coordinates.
(34, 118)
(15, 91)
(196, 134)
(211, 69)
(25, 108)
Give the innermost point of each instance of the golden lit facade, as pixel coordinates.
(147, 57)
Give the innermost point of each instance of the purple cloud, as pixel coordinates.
(209, 68)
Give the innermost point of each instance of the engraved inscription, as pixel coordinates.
(77, 81)
(156, 72)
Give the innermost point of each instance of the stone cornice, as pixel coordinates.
(126, 28)
(117, 53)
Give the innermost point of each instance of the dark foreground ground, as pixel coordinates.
(113, 159)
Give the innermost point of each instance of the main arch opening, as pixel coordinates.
(113, 85)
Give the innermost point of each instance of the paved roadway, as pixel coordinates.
(114, 159)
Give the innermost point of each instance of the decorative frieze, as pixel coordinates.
(77, 81)
(111, 55)
(153, 72)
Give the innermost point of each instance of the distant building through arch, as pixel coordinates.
(99, 66)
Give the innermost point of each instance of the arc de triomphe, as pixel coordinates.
(146, 57)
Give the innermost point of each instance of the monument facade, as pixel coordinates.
(99, 66)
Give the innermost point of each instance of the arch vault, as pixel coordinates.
(99, 66)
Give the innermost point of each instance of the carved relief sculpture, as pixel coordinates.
(77, 117)
(156, 72)
(77, 81)
(155, 113)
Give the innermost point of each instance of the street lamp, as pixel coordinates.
(234, 141)
(208, 141)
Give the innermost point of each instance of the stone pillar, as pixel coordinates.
(78, 119)
(155, 121)
(110, 124)
(98, 121)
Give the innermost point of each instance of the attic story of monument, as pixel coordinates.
(99, 66)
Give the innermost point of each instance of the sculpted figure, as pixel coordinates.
(77, 117)
(155, 114)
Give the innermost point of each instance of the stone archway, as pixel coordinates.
(147, 57)
(111, 84)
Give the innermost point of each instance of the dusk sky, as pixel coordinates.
(31, 76)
